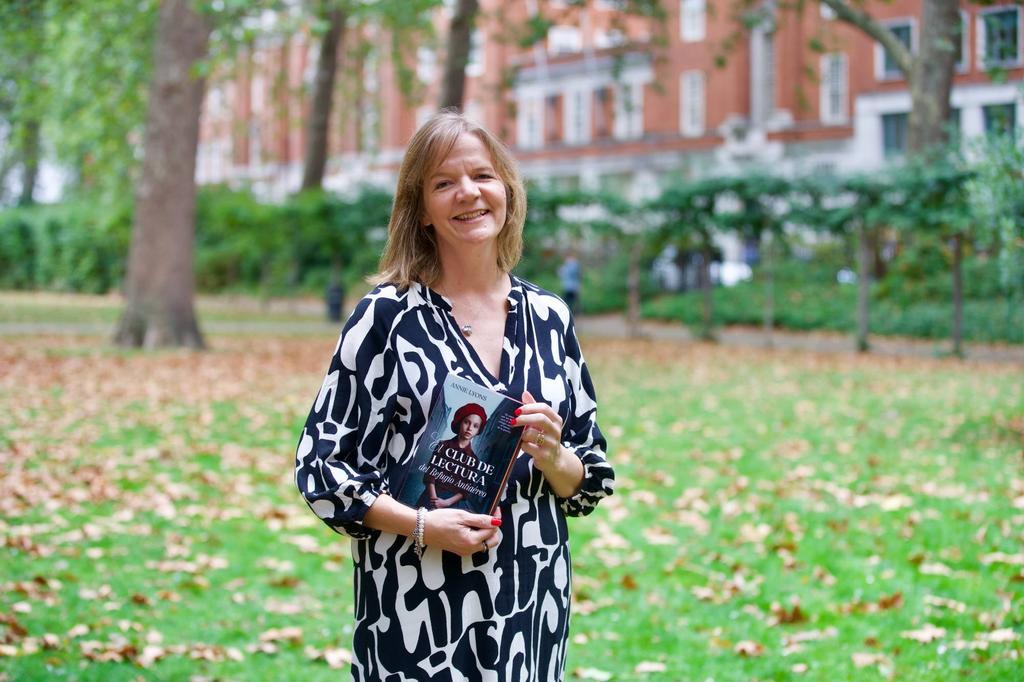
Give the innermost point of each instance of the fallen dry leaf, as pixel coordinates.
(749, 648)
(925, 634)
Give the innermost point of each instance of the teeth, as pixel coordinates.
(471, 215)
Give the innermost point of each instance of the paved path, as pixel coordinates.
(615, 326)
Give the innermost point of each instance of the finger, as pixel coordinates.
(528, 397)
(540, 408)
(481, 521)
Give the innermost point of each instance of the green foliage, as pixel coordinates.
(76, 246)
(996, 198)
(240, 242)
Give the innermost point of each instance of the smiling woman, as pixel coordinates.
(446, 594)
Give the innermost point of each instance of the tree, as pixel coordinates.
(333, 16)
(760, 218)
(929, 73)
(160, 283)
(23, 93)
(688, 217)
(460, 34)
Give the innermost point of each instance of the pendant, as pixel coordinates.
(467, 330)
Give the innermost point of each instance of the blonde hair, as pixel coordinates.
(410, 254)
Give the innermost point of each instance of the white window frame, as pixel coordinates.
(564, 39)
(426, 64)
(576, 121)
(692, 20)
(880, 74)
(475, 60)
(827, 89)
(604, 39)
(629, 119)
(982, 38)
(692, 117)
(530, 121)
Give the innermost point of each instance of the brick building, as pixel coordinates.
(609, 100)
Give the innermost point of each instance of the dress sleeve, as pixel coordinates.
(581, 434)
(341, 459)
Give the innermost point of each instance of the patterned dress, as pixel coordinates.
(496, 615)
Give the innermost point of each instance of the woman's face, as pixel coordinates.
(464, 199)
(469, 427)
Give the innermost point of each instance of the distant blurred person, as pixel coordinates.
(569, 274)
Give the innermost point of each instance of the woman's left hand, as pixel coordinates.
(542, 438)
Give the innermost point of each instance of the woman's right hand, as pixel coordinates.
(461, 532)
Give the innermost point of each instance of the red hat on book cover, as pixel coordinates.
(465, 411)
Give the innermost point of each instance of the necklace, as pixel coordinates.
(467, 330)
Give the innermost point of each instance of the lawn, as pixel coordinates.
(778, 516)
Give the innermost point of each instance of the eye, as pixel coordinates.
(441, 184)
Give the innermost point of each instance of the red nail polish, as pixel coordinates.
(512, 421)
(495, 522)
(518, 411)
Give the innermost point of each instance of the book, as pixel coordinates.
(465, 455)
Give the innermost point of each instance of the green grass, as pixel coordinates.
(869, 490)
(53, 308)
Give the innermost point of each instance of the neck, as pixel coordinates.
(474, 274)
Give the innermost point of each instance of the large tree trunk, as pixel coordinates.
(160, 283)
(460, 34)
(317, 136)
(931, 77)
(864, 258)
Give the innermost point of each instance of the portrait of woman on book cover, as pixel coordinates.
(448, 594)
(466, 424)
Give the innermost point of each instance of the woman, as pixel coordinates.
(466, 423)
(447, 594)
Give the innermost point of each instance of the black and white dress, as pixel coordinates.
(496, 615)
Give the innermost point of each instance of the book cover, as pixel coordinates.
(464, 457)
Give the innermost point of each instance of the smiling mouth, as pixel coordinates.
(472, 215)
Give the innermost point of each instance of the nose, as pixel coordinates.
(468, 188)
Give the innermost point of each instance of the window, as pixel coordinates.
(999, 37)
(475, 62)
(576, 109)
(426, 64)
(1000, 119)
(961, 43)
(904, 32)
(691, 103)
(826, 12)
(553, 106)
(894, 134)
(602, 112)
(832, 93)
(629, 111)
(691, 20)
(613, 37)
(529, 117)
(564, 40)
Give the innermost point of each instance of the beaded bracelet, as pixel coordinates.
(417, 533)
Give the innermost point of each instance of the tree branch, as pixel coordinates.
(859, 19)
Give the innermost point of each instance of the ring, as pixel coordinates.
(484, 543)
(539, 438)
